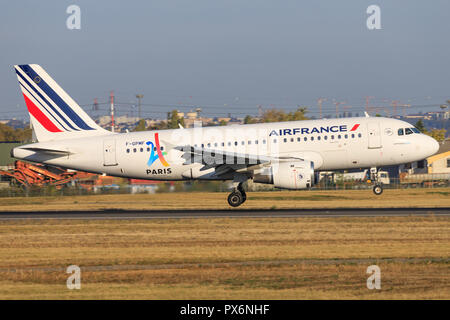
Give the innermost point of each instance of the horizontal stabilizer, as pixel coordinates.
(50, 151)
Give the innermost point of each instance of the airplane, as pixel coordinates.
(287, 155)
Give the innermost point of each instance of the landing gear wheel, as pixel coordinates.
(240, 188)
(235, 199)
(377, 189)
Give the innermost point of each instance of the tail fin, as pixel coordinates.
(54, 115)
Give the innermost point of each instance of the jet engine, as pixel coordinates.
(287, 175)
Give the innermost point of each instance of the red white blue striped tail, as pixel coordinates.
(53, 113)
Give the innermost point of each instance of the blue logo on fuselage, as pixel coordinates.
(153, 155)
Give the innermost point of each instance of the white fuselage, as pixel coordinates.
(331, 144)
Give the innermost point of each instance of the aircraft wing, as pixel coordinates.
(225, 161)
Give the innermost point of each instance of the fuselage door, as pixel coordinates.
(109, 153)
(373, 130)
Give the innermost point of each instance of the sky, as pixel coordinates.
(230, 56)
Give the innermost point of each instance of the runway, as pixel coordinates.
(231, 213)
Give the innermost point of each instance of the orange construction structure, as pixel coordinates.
(26, 174)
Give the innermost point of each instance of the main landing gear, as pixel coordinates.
(237, 196)
(377, 188)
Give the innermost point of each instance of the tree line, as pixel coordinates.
(173, 122)
(438, 134)
(10, 134)
(272, 115)
(277, 115)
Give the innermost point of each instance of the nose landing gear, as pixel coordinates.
(237, 196)
(377, 188)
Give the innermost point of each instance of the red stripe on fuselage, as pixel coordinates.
(355, 127)
(40, 116)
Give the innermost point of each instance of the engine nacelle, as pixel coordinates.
(287, 175)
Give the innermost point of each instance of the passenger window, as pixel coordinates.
(332, 137)
(256, 141)
(408, 131)
(353, 135)
(264, 141)
(235, 143)
(339, 136)
(128, 150)
(318, 138)
(299, 139)
(400, 132)
(312, 138)
(325, 137)
(285, 140)
(274, 140)
(359, 135)
(305, 138)
(142, 149)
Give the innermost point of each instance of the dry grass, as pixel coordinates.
(227, 258)
(438, 197)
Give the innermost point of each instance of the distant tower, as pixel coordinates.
(139, 97)
(198, 110)
(95, 105)
(443, 108)
(319, 103)
(112, 111)
(367, 103)
(394, 107)
(337, 108)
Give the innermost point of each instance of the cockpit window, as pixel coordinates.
(400, 132)
(408, 131)
(415, 130)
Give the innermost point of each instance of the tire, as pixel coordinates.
(377, 189)
(235, 199)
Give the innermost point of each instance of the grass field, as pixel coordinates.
(437, 197)
(276, 258)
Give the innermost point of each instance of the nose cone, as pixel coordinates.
(433, 146)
